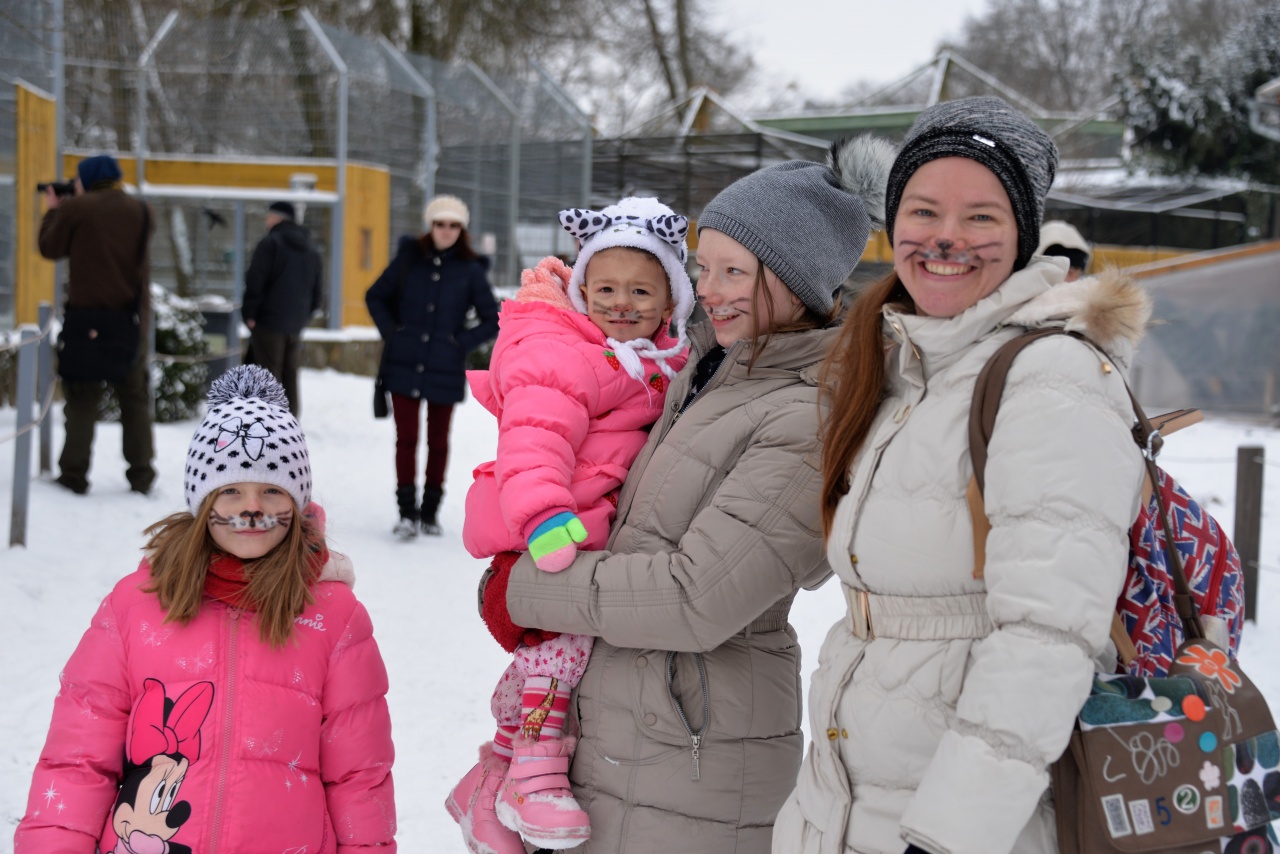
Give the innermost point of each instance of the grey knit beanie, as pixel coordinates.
(808, 222)
(986, 129)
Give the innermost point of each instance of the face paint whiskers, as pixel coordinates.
(740, 305)
(612, 314)
(252, 520)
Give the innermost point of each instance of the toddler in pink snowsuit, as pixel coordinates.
(578, 375)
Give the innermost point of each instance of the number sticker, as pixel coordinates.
(1186, 799)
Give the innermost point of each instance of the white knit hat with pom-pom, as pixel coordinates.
(247, 436)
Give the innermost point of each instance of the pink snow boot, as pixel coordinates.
(471, 804)
(535, 800)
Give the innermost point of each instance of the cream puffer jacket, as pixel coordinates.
(718, 526)
(937, 729)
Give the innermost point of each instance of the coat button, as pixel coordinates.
(425, 338)
(436, 260)
(416, 393)
(431, 306)
(421, 368)
(650, 719)
(675, 406)
(833, 733)
(641, 661)
(853, 559)
(435, 277)
(844, 733)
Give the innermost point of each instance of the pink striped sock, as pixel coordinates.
(544, 706)
(502, 741)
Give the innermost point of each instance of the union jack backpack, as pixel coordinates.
(1148, 627)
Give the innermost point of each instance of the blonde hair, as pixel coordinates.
(181, 550)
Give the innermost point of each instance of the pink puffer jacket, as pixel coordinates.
(283, 749)
(570, 419)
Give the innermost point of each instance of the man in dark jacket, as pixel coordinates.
(104, 233)
(281, 291)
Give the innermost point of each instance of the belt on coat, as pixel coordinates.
(953, 617)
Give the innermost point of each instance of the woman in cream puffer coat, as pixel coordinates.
(939, 704)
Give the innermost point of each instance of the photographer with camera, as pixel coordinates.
(107, 316)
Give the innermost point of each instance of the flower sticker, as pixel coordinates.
(1210, 776)
(1214, 664)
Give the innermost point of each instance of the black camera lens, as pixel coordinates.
(60, 188)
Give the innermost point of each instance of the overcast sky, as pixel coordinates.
(825, 45)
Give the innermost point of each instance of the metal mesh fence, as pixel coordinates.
(258, 87)
(26, 39)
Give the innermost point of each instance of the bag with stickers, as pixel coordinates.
(1178, 752)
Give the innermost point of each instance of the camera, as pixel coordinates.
(60, 188)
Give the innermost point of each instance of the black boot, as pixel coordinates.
(407, 527)
(430, 504)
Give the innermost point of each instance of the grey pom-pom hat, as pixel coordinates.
(989, 130)
(808, 222)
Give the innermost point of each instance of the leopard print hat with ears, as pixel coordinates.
(638, 223)
(248, 435)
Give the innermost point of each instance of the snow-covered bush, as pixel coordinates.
(179, 386)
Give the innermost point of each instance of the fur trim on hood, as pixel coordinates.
(1109, 309)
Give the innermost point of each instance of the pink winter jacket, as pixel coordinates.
(570, 419)
(283, 749)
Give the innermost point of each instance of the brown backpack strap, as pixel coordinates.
(987, 391)
(1148, 434)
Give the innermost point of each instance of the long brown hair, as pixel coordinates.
(462, 248)
(853, 381)
(808, 319)
(181, 549)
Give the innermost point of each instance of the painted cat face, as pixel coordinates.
(248, 520)
(626, 293)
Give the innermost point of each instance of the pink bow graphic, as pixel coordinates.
(152, 732)
(252, 436)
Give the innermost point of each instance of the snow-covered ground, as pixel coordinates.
(418, 593)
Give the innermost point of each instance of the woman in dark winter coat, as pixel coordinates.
(420, 305)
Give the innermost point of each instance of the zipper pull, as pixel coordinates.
(697, 773)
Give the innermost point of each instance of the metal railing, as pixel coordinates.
(35, 381)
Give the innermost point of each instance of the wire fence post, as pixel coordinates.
(44, 383)
(26, 399)
(513, 168)
(337, 226)
(1247, 535)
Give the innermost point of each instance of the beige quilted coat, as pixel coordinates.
(718, 525)
(939, 730)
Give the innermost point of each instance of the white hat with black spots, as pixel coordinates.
(247, 436)
(637, 223)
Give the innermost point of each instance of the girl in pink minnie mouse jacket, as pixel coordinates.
(228, 695)
(579, 373)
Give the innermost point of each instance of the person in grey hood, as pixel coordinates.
(689, 711)
(282, 289)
